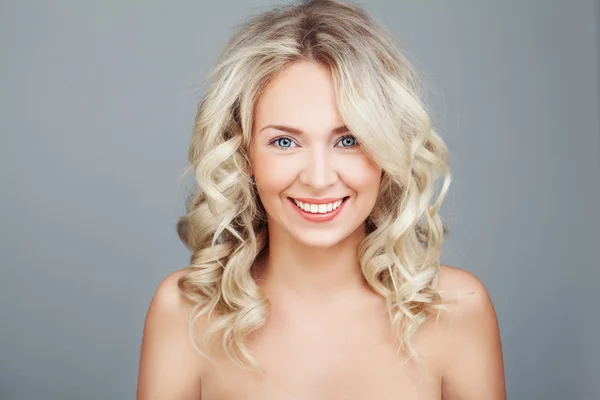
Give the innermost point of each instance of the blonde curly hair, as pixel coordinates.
(380, 99)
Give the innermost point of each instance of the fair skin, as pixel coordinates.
(327, 335)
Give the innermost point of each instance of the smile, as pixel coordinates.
(322, 208)
(319, 211)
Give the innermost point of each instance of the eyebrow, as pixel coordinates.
(296, 131)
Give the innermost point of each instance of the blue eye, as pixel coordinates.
(348, 141)
(283, 142)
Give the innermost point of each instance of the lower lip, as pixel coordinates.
(319, 217)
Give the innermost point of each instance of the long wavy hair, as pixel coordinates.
(381, 101)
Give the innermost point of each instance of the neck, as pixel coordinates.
(292, 269)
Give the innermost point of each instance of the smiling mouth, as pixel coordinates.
(319, 208)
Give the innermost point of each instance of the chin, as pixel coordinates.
(320, 239)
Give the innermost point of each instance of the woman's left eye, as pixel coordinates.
(283, 142)
(348, 141)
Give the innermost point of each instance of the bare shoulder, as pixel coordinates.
(466, 299)
(170, 367)
(168, 298)
(464, 291)
(472, 353)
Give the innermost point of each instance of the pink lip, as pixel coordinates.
(319, 217)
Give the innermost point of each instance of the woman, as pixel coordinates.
(315, 231)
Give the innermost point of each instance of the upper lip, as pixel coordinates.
(318, 201)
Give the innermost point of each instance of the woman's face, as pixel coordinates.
(313, 179)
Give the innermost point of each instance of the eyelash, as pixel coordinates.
(274, 141)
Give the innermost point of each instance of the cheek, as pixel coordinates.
(272, 174)
(363, 175)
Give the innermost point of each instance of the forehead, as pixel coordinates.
(302, 96)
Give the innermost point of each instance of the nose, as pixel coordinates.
(319, 171)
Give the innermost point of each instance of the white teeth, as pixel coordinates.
(318, 208)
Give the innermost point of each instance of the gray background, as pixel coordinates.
(97, 101)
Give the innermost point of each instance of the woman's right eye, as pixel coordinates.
(283, 142)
